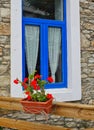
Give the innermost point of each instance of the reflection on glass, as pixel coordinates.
(32, 48)
(54, 47)
(45, 9)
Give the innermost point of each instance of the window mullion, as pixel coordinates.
(44, 50)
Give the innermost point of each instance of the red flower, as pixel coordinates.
(24, 85)
(16, 81)
(25, 80)
(27, 93)
(29, 98)
(37, 76)
(49, 96)
(50, 79)
(36, 87)
(33, 83)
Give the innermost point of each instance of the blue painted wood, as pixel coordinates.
(23, 51)
(44, 52)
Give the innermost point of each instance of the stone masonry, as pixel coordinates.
(87, 60)
(4, 47)
(87, 50)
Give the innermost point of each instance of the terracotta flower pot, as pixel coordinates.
(36, 107)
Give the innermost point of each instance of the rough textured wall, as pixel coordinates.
(4, 47)
(87, 49)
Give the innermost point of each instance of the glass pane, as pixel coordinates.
(32, 48)
(55, 53)
(45, 9)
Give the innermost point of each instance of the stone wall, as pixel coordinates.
(87, 49)
(4, 47)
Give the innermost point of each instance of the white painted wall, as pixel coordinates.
(73, 92)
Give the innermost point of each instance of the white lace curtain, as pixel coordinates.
(32, 44)
(54, 49)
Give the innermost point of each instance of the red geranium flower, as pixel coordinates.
(49, 96)
(27, 93)
(25, 80)
(50, 79)
(37, 76)
(24, 85)
(29, 98)
(33, 83)
(16, 81)
(36, 87)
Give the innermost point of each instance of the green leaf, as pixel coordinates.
(31, 76)
(39, 97)
(30, 89)
(41, 83)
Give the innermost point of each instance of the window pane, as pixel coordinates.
(45, 9)
(54, 47)
(32, 48)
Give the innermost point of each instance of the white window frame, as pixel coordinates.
(73, 90)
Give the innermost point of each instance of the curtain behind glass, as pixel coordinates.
(32, 43)
(54, 49)
(59, 10)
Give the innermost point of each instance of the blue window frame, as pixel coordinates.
(44, 25)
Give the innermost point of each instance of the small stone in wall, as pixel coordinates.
(90, 102)
(89, 26)
(84, 76)
(84, 42)
(1, 52)
(92, 43)
(5, 12)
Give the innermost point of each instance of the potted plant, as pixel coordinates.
(37, 100)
